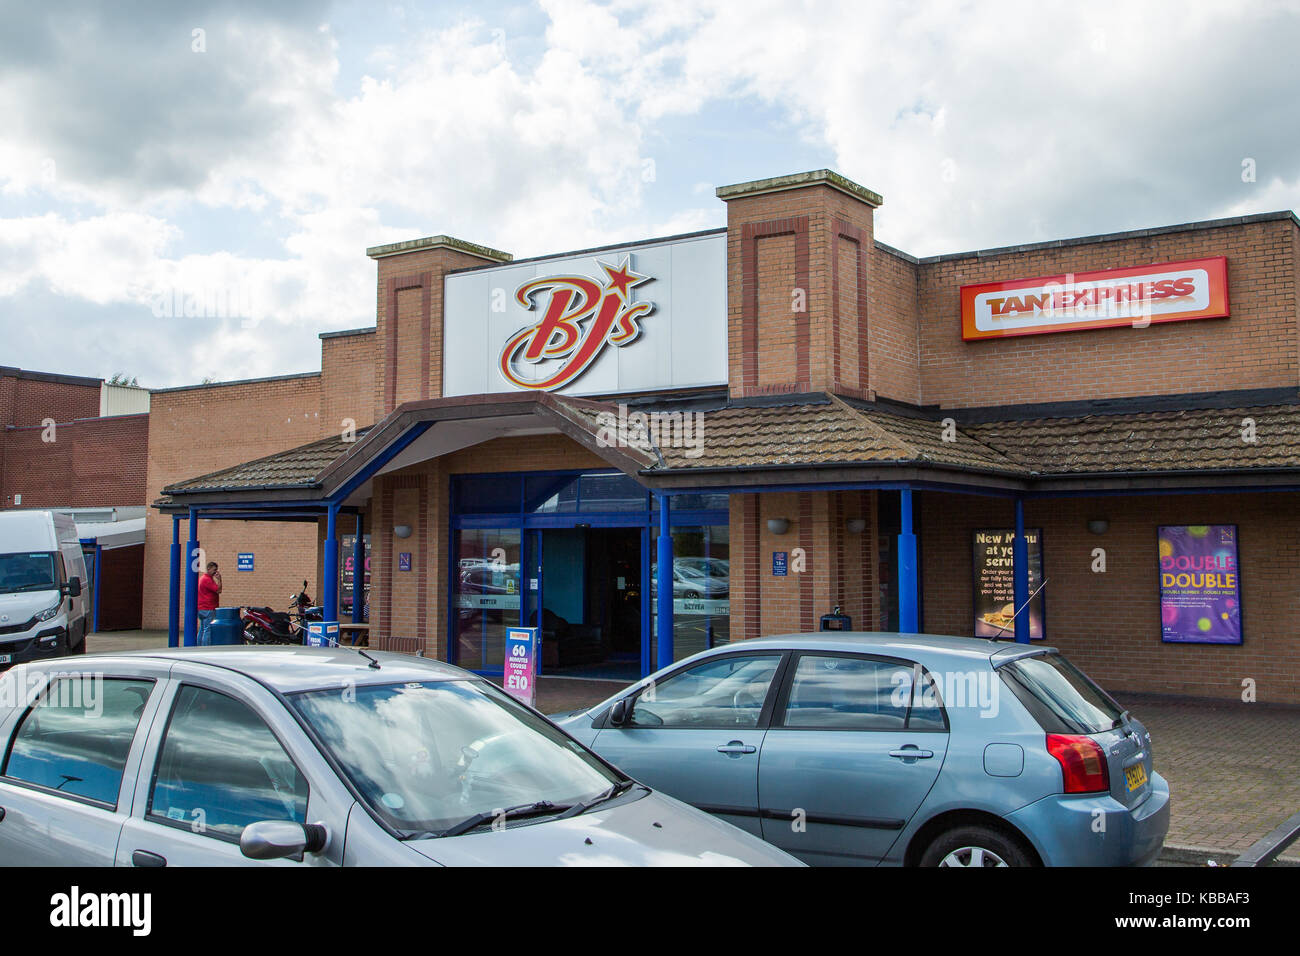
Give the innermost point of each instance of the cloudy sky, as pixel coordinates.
(245, 154)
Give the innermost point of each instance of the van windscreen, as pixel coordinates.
(27, 571)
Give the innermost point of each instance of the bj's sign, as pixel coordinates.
(632, 318)
(1140, 296)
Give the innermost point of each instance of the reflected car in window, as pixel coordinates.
(869, 749)
(316, 757)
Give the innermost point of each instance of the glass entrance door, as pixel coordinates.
(486, 595)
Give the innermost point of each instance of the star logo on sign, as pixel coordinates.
(622, 279)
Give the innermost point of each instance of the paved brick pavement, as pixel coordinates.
(1233, 768)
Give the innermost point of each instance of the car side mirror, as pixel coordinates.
(72, 588)
(620, 712)
(279, 839)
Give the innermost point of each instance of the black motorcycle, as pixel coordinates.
(264, 625)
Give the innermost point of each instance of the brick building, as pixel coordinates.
(1090, 442)
(78, 445)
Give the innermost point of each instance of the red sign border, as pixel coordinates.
(1215, 266)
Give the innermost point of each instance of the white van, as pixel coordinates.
(44, 607)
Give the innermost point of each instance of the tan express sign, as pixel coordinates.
(1165, 292)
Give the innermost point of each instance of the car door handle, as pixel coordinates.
(736, 747)
(911, 753)
(145, 858)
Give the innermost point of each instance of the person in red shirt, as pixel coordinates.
(209, 596)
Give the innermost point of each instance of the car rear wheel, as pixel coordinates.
(974, 846)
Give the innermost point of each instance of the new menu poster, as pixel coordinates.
(994, 601)
(1200, 587)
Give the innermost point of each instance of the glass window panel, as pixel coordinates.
(77, 737)
(220, 768)
(486, 598)
(551, 494)
(488, 494)
(603, 493)
(725, 692)
(701, 590)
(848, 693)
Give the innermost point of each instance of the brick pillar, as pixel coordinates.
(408, 314)
(797, 254)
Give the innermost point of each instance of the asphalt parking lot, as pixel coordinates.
(1233, 768)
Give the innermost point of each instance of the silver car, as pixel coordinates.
(313, 757)
(870, 749)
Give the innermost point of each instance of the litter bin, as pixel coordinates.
(223, 628)
(835, 621)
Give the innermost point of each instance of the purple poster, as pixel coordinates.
(1200, 592)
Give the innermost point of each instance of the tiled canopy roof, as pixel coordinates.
(1188, 440)
(826, 431)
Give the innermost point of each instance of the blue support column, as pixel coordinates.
(664, 628)
(174, 587)
(330, 569)
(192, 581)
(909, 610)
(1020, 574)
(358, 572)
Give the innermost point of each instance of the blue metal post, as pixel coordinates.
(358, 572)
(1020, 574)
(330, 571)
(908, 605)
(192, 581)
(664, 629)
(174, 587)
(99, 559)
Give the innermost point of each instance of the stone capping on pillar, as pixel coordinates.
(816, 177)
(438, 242)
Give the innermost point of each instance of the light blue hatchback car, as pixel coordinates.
(866, 749)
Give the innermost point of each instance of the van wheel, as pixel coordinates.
(974, 846)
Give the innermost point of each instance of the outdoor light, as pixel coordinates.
(856, 525)
(778, 525)
(1098, 525)
(402, 530)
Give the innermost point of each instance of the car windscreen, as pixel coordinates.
(28, 571)
(1060, 696)
(427, 755)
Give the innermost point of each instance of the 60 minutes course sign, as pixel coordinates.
(1164, 292)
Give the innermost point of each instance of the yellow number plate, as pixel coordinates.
(1135, 776)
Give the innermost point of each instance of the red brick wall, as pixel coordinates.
(1255, 348)
(1109, 624)
(797, 281)
(349, 366)
(196, 431)
(90, 463)
(895, 342)
(28, 401)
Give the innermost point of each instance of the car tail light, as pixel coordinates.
(1083, 763)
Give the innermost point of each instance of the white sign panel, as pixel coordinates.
(628, 319)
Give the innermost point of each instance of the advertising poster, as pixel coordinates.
(519, 677)
(1200, 589)
(994, 585)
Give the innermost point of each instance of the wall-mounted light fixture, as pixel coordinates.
(778, 525)
(402, 530)
(1098, 525)
(855, 525)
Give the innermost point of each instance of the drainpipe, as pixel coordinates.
(908, 605)
(174, 587)
(664, 628)
(1020, 574)
(192, 581)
